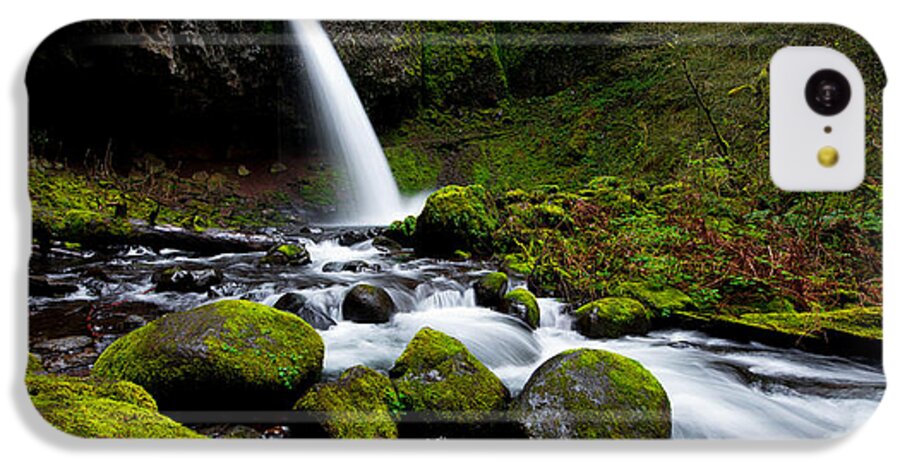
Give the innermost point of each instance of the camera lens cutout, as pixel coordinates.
(828, 92)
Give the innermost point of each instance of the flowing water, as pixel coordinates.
(718, 387)
(347, 134)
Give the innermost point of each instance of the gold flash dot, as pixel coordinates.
(828, 156)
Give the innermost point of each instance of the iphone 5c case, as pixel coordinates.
(355, 229)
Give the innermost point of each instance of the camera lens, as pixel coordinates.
(828, 92)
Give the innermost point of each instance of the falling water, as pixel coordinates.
(347, 132)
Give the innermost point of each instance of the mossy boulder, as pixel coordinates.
(660, 299)
(357, 405)
(230, 355)
(402, 231)
(97, 408)
(444, 390)
(585, 393)
(367, 304)
(456, 218)
(286, 254)
(611, 318)
(490, 289)
(520, 303)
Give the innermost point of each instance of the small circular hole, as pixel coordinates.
(827, 129)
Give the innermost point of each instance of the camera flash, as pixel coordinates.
(828, 156)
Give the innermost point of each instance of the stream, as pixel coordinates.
(717, 387)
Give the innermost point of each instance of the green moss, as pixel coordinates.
(780, 305)
(584, 393)
(456, 218)
(437, 375)
(229, 354)
(34, 365)
(95, 408)
(357, 405)
(286, 254)
(289, 250)
(414, 171)
(612, 317)
(402, 231)
(495, 281)
(521, 303)
(860, 322)
(661, 299)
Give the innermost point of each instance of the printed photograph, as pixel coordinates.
(418, 229)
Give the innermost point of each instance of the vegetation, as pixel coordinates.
(652, 169)
(358, 405)
(96, 408)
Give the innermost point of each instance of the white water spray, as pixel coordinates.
(347, 132)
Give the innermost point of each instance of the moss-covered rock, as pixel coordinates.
(357, 405)
(490, 289)
(402, 231)
(586, 393)
(456, 218)
(444, 390)
(368, 304)
(97, 408)
(852, 331)
(286, 254)
(660, 299)
(226, 355)
(522, 304)
(611, 318)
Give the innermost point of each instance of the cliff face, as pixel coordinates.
(178, 89)
(234, 90)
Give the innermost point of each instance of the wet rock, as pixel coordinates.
(76, 364)
(229, 355)
(133, 321)
(295, 303)
(445, 390)
(39, 285)
(490, 289)
(186, 281)
(229, 431)
(612, 318)
(385, 244)
(63, 345)
(357, 405)
(97, 273)
(352, 237)
(287, 254)
(355, 266)
(520, 303)
(368, 304)
(586, 393)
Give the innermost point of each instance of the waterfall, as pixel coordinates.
(346, 131)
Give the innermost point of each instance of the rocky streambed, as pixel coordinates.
(398, 345)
